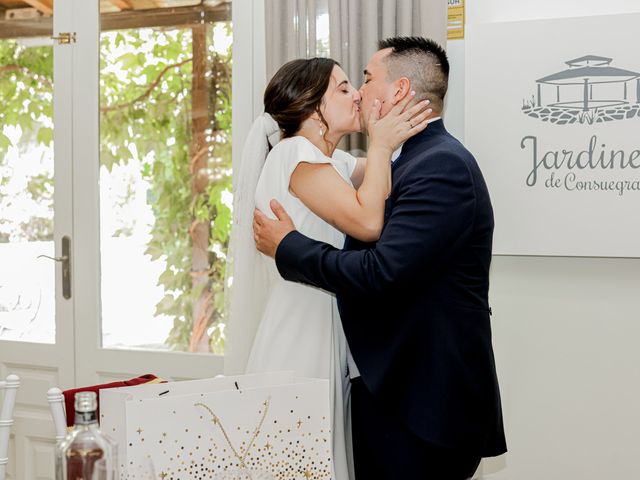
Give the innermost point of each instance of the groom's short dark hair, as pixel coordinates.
(422, 61)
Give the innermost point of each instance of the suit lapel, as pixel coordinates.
(418, 143)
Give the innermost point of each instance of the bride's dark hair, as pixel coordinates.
(296, 91)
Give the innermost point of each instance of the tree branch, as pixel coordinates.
(13, 67)
(201, 323)
(148, 91)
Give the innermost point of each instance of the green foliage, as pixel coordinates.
(150, 106)
(146, 112)
(26, 76)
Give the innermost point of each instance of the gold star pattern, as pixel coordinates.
(290, 455)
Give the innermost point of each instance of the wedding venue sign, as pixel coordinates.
(553, 118)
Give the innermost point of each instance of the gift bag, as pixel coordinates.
(270, 426)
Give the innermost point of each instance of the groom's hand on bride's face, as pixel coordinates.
(269, 233)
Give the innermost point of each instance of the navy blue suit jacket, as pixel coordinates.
(414, 305)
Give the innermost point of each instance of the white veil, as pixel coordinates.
(246, 296)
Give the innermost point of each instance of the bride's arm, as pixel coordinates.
(359, 212)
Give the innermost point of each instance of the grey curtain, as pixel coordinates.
(293, 30)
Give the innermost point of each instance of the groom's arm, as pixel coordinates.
(432, 215)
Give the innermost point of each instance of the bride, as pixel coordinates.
(310, 105)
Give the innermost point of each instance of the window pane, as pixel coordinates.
(165, 177)
(27, 291)
(322, 28)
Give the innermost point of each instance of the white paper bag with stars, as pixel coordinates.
(258, 427)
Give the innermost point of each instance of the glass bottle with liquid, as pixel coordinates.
(78, 453)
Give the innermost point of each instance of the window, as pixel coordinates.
(165, 176)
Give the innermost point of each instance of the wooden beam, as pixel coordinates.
(45, 6)
(144, 4)
(40, 27)
(121, 4)
(165, 17)
(162, 17)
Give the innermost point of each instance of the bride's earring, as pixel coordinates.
(321, 132)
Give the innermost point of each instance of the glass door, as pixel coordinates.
(36, 288)
(115, 195)
(27, 279)
(155, 209)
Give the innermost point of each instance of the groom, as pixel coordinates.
(414, 305)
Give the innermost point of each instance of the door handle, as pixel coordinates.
(65, 259)
(55, 259)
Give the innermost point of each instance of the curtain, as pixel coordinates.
(295, 29)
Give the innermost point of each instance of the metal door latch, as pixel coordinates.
(65, 38)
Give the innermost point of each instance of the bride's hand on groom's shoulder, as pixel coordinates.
(268, 233)
(402, 122)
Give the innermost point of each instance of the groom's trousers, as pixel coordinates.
(384, 448)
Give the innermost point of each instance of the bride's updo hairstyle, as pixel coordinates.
(295, 92)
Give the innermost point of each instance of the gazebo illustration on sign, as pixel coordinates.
(589, 72)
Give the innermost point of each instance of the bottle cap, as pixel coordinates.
(86, 402)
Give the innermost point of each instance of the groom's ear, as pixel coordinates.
(402, 87)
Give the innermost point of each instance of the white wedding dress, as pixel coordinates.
(300, 328)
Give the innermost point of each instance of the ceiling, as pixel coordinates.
(46, 6)
(33, 18)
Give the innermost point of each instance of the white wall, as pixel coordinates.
(566, 330)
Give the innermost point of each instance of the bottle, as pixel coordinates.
(78, 453)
